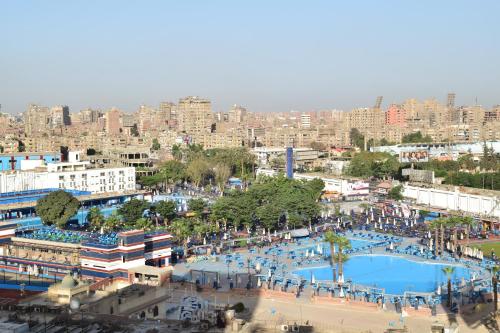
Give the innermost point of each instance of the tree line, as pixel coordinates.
(202, 167)
(269, 203)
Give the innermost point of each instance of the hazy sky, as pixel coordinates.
(267, 55)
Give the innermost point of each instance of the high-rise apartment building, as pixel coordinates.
(36, 119)
(89, 116)
(395, 115)
(112, 121)
(237, 114)
(493, 114)
(366, 119)
(305, 120)
(59, 116)
(168, 111)
(194, 115)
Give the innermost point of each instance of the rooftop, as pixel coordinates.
(33, 195)
(54, 234)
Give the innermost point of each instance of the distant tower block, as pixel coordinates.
(289, 162)
(378, 102)
(451, 100)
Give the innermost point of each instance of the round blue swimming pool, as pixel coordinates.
(395, 274)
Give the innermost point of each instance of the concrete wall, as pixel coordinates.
(454, 200)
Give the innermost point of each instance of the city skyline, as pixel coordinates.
(268, 58)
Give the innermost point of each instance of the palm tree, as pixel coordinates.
(435, 225)
(113, 222)
(95, 219)
(449, 270)
(469, 223)
(439, 225)
(441, 232)
(177, 152)
(144, 224)
(331, 238)
(494, 282)
(454, 222)
(182, 229)
(344, 244)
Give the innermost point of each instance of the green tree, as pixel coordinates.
(222, 173)
(416, 137)
(385, 142)
(151, 181)
(319, 146)
(448, 271)
(315, 187)
(385, 167)
(200, 228)
(155, 145)
(143, 224)
(177, 152)
(134, 131)
(182, 229)
(21, 147)
(367, 164)
(95, 219)
(167, 209)
(343, 243)
(197, 206)
(396, 193)
(133, 210)
(91, 152)
(469, 223)
(113, 223)
(269, 215)
(197, 170)
(489, 160)
(439, 225)
(57, 208)
(466, 162)
(223, 210)
(277, 163)
(435, 226)
(172, 172)
(331, 238)
(357, 139)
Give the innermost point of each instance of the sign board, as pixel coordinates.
(414, 156)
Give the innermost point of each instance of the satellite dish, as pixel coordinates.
(74, 304)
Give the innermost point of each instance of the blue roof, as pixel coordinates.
(69, 236)
(33, 195)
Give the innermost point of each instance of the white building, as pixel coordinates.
(346, 188)
(474, 203)
(305, 120)
(74, 175)
(440, 150)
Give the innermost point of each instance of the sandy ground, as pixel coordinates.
(336, 317)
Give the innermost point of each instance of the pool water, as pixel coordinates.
(355, 244)
(395, 274)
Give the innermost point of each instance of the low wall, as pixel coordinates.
(454, 200)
